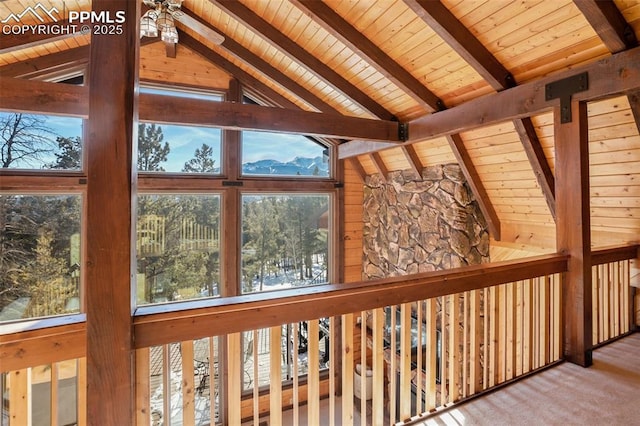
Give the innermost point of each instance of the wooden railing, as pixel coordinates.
(437, 339)
(612, 299)
(52, 394)
(459, 333)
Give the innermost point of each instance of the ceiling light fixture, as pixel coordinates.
(162, 18)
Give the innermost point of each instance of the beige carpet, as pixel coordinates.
(607, 393)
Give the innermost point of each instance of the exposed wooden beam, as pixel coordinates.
(51, 98)
(170, 49)
(356, 147)
(316, 66)
(110, 133)
(634, 102)
(451, 30)
(538, 161)
(47, 64)
(170, 109)
(383, 63)
(378, 163)
(608, 22)
(256, 62)
(573, 230)
(475, 183)
(608, 77)
(413, 159)
(454, 33)
(616, 33)
(43, 97)
(248, 81)
(357, 168)
(27, 39)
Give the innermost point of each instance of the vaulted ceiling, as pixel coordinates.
(406, 60)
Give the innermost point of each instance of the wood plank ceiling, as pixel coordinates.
(406, 59)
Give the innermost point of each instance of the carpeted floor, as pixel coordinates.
(607, 393)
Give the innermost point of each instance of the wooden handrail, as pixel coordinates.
(25, 349)
(604, 255)
(193, 320)
(160, 324)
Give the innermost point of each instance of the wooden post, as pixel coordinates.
(109, 140)
(573, 230)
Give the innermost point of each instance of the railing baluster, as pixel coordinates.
(626, 288)
(143, 375)
(432, 351)
(332, 339)
(378, 322)
(420, 367)
(363, 368)
(347, 369)
(393, 367)
(54, 394)
(511, 330)
(82, 391)
(20, 397)
(296, 374)
(256, 374)
(188, 388)
(405, 361)
(166, 385)
(275, 376)
(234, 386)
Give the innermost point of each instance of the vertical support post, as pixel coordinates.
(231, 236)
(573, 234)
(109, 140)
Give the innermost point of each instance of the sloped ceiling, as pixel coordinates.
(405, 59)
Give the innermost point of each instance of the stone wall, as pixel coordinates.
(416, 225)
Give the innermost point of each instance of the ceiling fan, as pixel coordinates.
(161, 19)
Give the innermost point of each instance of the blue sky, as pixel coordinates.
(183, 141)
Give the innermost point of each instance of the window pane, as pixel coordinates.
(39, 255)
(178, 149)
(182, 93)
(283, 154)
(178, 247)
(31, 141)
(284, 241)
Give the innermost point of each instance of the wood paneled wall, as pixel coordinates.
(186, 69)
(353, 199)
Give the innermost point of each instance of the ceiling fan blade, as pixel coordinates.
(197, 26)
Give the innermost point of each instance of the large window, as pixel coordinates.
(178, 149)
(39, 255)
(284, 241)
(33, 141)
(178, 247)
(282, 154)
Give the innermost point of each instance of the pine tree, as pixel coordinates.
(202, 161)
(69, 157)
(50, 286)
(151, 151)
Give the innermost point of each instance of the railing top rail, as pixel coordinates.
(604, 255)
(161, 324)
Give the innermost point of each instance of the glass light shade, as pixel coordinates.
(170, 35)
(164, 21)
(148, 27)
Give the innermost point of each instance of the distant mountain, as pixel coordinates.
(299, 166)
